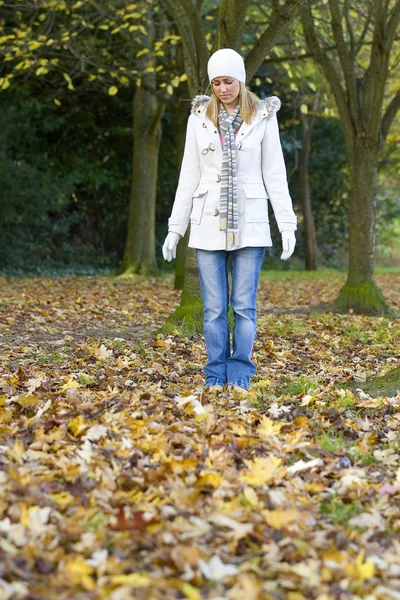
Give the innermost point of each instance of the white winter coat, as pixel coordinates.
(261, 175)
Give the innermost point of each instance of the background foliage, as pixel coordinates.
(66, 136)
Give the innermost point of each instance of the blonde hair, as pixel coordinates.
(247, 102)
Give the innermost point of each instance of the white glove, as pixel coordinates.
(288, 244)
(170, 244)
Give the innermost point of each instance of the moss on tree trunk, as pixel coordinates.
(360, 293)
(188, 317)
(362, 298)
(386, 385)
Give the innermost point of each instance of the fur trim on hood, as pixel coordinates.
(272, 104)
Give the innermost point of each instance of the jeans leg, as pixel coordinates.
(246, 266)
(213, 268)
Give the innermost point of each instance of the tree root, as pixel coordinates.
(385, 385)
(363, 299)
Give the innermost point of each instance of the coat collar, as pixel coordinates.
(265, 110)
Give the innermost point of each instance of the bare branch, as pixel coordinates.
(390, 114)
(232, 18)
(178, 12)
(367, 23)
(347, 63)
(393, 23)
(198, 35)
(330, 73)
(279, 21)
(378, 69)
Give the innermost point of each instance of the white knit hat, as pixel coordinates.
(226, 63)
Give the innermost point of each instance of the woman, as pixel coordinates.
(232, 164)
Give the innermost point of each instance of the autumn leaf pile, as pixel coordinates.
(120, 477)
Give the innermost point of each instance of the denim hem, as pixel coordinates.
(214, 381)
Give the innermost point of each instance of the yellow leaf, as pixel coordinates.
(190, 592)
(16, 451)
(27, 400)
(34, 45)
(307, 399)
(361, 570)
(112, 90)
(263, 383)
(42, 71)
(183, 77)
(78, 572)
(135, 580)
(69, 81)
(170, 89)
(281, 518)
(238, 429)
(251, 496)
(77, 426)
(70, 384)
(124, 79)
(213, 479)
(175, 82)
(269, 427)
(63, 499)
(6, 84)
(142, 51)
(263, 470)
(304, 109)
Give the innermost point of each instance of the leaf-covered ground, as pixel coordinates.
(121, 478)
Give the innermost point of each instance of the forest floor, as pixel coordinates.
(121, 478)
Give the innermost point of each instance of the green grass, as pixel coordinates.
(49, 358)
(307, 275)
(301, 385)
(339, 512)
(333, 442)
(319, 274)
(346, 402)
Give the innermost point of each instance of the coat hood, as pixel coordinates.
(272, 104)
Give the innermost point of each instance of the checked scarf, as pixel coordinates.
(228, 210)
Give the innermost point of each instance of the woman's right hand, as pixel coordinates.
(170, 244)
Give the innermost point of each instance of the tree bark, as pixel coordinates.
(310, 238)
(140, 254)
(179, 123)
(188, 317)
(360, 292)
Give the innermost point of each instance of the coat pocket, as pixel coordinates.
(198, 202)
(256, 204)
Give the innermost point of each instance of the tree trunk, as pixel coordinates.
(310, 240)
(188, 317)
(360, 292)
(140, 256)
(179, 123)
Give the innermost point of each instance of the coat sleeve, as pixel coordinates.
(188, 182)
(274, 175)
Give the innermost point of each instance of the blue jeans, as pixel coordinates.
(224, 366)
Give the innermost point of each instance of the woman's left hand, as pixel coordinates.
(288, 244)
